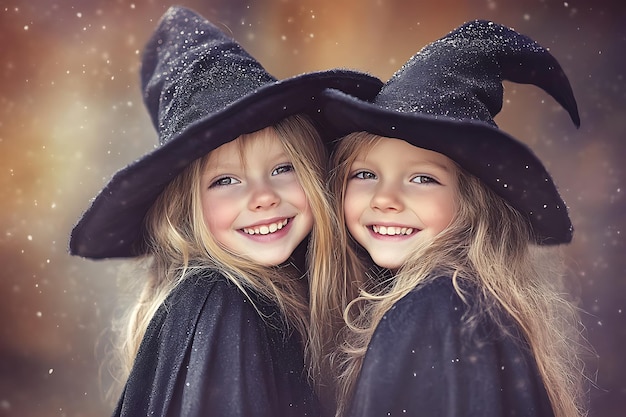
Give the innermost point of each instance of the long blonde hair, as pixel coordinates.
(179, 244)
(487, 243)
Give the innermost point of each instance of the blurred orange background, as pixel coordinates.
(71, 115)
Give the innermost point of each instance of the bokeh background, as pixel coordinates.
(71, 115)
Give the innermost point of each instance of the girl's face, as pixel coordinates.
(396, 195)
(252, 202)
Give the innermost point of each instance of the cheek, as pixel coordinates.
(293, 194)
(352, 207)
(217, 216)
(446, 211)
(300, 199)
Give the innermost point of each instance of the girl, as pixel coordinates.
(226, 215)
(467, 317)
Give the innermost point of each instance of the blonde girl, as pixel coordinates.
(228, 218)
(451, 227)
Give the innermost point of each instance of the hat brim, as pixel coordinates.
(504, 164)
(112, 226)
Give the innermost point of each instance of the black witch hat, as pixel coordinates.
(202, 90)
(444, 99)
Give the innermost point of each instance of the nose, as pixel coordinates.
(387, 197)
(263, 196)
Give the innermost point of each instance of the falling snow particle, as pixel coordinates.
(50, 371)
(26, 27)
(39, 314)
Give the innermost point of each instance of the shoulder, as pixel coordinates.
(203, 283)
(435, 301)
(442, 308)
(209, 303)
(210, 289)
(207, 297)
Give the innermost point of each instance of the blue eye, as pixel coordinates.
(424, 179)
(365, 175)
(283, 169)
(224, 181)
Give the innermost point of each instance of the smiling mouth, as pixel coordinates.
(392, 230)
(266, 229)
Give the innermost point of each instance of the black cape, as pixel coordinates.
(420, 363)
(208, 352)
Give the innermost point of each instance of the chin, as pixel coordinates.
(270, 261)
(389, 264)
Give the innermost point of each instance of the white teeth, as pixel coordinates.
(266, 228)
(392, 230)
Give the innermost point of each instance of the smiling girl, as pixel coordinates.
(458, 306)
(228, 218)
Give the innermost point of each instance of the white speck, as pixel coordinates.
(50, 371)
(39, 314)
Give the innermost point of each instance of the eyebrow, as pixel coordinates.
(435, 164)
(220, 164)
(421, 163)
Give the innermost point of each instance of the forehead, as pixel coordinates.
(261, 142)
(398, 151)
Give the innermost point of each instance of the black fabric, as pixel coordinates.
(420, 363)
(208, 352)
